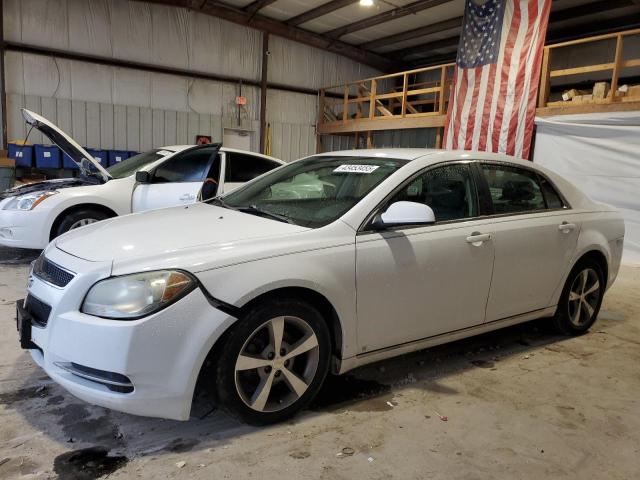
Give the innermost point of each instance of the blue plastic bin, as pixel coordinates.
(22, 154)
(68, 163)
(101, 156)
(47, 156)
(116, 156)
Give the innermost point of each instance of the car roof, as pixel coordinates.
(179, 148)
(433, 154)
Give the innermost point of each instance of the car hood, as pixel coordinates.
(67, 144)
(56, 184)
(160, 235)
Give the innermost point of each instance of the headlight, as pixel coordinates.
(134, 296)
(28, 201)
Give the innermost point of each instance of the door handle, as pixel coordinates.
(187, 196)
(477, 238)
(565, 227)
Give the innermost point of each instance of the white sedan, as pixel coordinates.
(32, 215)
(325, 264)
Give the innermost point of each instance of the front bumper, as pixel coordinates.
(25, 229)
(160, 355)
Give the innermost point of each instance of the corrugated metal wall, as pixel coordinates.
(108, 107)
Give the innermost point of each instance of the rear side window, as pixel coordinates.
(190, 166)
(513, 189)
(448, 190)
(242, 168)
(550, 195)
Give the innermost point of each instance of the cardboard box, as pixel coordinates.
(600, 90)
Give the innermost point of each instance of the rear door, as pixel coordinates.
(242, 167)
(176, 181)
(534, 233)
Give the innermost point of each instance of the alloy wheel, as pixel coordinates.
(583, 297)
(276, 364)
(82, 223)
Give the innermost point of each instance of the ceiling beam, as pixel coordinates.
(555, 17)
(384, 17)
(222, 10)
(415, 33)
(254, 7)
(444, 43)
(319, 11)
(561, 35)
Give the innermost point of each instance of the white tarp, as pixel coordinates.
(600, 153)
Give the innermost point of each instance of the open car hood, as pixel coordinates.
(67, 144)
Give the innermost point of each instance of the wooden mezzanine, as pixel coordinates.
(405, 100)
(389, 102)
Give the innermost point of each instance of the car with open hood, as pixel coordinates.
(322, 265)
(32, 215)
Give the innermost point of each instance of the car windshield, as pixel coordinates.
(312, 192)
(132, 164)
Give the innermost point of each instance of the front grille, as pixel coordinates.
(38, 309)
(51, 273)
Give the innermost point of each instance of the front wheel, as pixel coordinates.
(273, 362)
(79, 218)
(581, 299)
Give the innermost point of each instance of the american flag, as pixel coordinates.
(495, 82)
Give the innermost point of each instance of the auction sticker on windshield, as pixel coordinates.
(356, 168)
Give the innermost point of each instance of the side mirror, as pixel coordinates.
(143, 177)
(405, 213)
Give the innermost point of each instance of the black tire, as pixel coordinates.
(251, 328)
(576, 316)
(76, 216)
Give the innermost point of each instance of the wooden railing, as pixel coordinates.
(615, 66)
(395, 96)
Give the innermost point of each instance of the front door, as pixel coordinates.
(534, 235)
(417, 282)
(176, 181)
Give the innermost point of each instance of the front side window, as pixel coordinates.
(312, 192)
(132, 164)
(241, 167)
(190, 166)
(449, 190)
(513, 189)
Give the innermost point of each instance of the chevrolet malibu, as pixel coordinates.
(320, 266)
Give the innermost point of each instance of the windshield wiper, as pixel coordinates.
(221, 203)
(252, 209)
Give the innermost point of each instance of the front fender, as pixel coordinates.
(329, 272)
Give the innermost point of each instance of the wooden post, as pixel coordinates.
(616, 68)
(345, 104)
(543, 94)
(369, 139)
(263, 92)
(443, 88)
(3, 93)
(439, 133)
(405, 85)
(372, 99)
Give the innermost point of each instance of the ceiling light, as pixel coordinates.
(366, 3)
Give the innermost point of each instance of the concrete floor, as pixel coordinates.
(519, 403)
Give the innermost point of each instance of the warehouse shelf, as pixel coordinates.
(606, 99)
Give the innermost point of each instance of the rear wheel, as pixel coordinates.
(79, 218)
(273, 362)
(581, 299)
